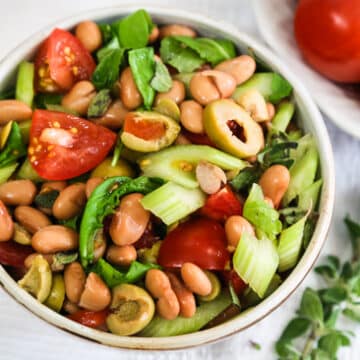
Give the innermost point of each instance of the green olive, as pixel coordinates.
(147, 255)
(57, 294)
(168, 107)
(105, 170)
(21, 235)
(232, 129)
(131, 309)
(149, 131)
(215, 287)
(37, 281)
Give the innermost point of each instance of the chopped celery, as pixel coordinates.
(309, 197)
(256, 261)
(26, 171)
(7, 171)
(290, 245)
(283, 116)
(261, 214)
(160, 327)
(271, 85)
(304, 144)
(172, 202)
(177, 163)
(25, 83)
(302, 174)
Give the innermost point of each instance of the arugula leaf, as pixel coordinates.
(311, 306)
(99, 104)
(41, 100)
(261, 214)
(133, 31)
(161, 81)
(114, 277)
(184, 59)
(246, 177)
(142, 66)
(107, 71)
(14, 148)
(210, 50)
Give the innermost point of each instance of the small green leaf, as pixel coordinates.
(331, 343)
(334, 261)
(65, 258)
(99, 104)
(331, 315)
(295, 328)
(352, 314)
(326, 271)
(347, 271)
(311, 306)
(246, 177)
(334, 295)
(287, 351)
(161, 81)
(319, 354)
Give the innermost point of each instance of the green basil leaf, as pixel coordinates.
(99, 104)
(210, 50)
(106, 32)
(142, 66)
(184, 59)
(311, 306)
(46, 199)
(295, 328)
(161, 81)
(114, 277)
(14, 147)
(112, 45)
(134, 30)
(72, 223)
(107, 71)
(334, 295)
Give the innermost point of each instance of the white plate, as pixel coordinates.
(340, 103)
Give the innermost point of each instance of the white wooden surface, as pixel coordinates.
(24, 336)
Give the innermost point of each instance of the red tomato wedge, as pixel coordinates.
(198, 139)
(14, 254)
(200, 241)
(221, 205)
(93, 319)
(235, 280)
(61, 61)
(64, 146)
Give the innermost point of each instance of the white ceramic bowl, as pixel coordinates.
(311, 121)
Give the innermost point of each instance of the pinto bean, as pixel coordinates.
(74, 278)
(191, 116)
(203, 89)
(129, 93)
(235, 226)
(224, 82)
(175, 30)
(18, 192)
(92, 184)
(79, 97)
(6, 224)
(176, 93)
(14, 110)
(121, 255)
(89, 34)
(114, 116)
(210, 177)
(195, 279)
(31, 219)
(130, 220)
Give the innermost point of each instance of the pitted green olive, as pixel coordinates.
(57, 294)
(105, 170)
(131, 309)
(148, 131)
(215, 287)
(232, 129)
(168, 107)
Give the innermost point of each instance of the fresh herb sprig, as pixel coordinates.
(313, 333)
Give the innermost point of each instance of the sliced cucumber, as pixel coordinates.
(172, 202)
(290, 245)
(178, 163)
(160, 327)
(283, 116)
(271, 85)
(256, 262)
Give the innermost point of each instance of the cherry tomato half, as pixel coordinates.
(238, 284)
(14, 254)
(221, 205)
(197, 139)
(64, 146)
(200, 241)
(93, 319)
(328, 35)
(61, 61)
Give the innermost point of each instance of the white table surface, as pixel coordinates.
(24, 336)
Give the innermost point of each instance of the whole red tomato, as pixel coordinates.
(328, 35)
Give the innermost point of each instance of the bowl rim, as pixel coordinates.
(255, 314)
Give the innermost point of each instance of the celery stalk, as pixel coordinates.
(256, 261)
(177, 163)
(283, 116)
(7, 171)
(27, 172)
(25, 83)
(172, 202)
(290, 245)
(309, 197)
